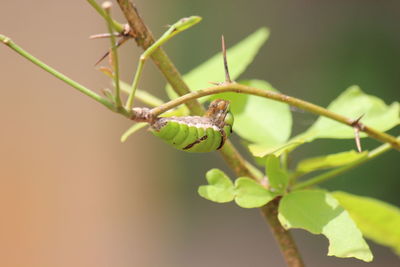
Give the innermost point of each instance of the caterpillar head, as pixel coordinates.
(218, 112)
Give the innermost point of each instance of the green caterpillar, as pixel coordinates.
(195, 133)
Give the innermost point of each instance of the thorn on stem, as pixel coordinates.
(126, 33)
(103, 57)
(357, 126)
(356, 122)
(119, 43)
(104, 35)
(227, 76)
(226, 69)
(357, 139)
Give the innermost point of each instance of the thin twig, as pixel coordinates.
(243, 89)
(114, 53)
(7, 41)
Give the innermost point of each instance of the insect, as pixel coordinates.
(196, 133)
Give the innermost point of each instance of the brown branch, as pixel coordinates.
(144, 38)
(138, 29)
(282, 236)
(233, 158)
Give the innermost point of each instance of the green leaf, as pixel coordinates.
(239, 57)
(250, 194)
(261, 150)
(377, 220)
(320, 213)
(329, 161)
(133, 129)
(277, 177)
(259, 120)
(220, 188)
(354, 103)
(246, 192)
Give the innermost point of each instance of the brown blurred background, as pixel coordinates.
(72, 195)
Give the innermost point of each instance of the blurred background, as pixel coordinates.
(72, 195)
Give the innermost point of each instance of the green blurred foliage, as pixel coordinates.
(315, 51)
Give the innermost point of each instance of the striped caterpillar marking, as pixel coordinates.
(195, 133)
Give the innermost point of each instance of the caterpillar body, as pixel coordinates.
(197, 133)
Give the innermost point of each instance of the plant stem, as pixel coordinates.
(332, 173)
(176, 28)
(144, 38)
(234, 159)
(131, 97)
(243, 89)
(283, 237)
(114, 53)
(7, 41)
